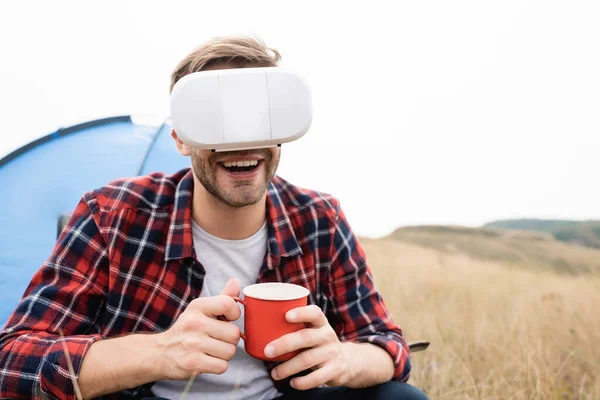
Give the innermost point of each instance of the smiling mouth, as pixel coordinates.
(237, 167)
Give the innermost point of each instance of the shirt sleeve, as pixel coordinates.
(356, 309)
(66, 293)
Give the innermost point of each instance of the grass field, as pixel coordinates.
(499, 328)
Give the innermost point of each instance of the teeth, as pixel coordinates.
(240, 163)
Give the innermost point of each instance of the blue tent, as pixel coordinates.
(43, 181)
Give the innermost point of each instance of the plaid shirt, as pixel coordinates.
(126, 263)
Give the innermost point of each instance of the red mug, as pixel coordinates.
(264, 319)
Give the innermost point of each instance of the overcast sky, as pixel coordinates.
(452, 112)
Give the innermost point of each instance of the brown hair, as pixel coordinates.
(237, 51)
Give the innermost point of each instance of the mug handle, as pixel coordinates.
(222, 317)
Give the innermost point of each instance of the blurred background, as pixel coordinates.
(460, 137)
(444, 112)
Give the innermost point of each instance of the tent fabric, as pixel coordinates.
(45, 179)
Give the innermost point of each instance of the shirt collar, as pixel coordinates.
(282, 238)
(180, 243)
(282, 241)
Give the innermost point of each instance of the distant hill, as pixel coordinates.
(527, 249)
(584, 233)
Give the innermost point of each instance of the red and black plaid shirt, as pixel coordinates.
(126, 263)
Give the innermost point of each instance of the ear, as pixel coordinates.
(182, 148)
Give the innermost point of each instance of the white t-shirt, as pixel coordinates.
(246, 377)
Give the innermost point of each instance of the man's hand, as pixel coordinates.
(324, 353)
(198, 342)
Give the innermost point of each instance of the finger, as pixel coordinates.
(302, 339)
(301, 362)
(210, 364)
(232, 288)
(312, 315)
(218, 348)
(316, 378)
(224, 331)
(218, 305)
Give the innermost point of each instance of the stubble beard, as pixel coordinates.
(245, 192)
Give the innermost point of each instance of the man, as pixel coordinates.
(146, 265)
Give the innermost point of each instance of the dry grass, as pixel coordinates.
(496, 332)
(522, 249)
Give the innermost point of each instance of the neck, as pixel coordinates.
(224, 221)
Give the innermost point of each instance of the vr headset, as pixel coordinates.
(241, 108)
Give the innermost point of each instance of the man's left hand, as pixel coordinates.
(322, 352)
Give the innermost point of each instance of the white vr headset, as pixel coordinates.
(241, 108)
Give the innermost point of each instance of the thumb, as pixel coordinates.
(232, 288)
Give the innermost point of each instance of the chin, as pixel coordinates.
(241, 193)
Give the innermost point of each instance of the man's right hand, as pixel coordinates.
(198, 342)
